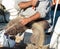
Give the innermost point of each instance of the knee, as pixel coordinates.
(37, 26)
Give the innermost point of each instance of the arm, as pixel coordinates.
(40, 13)
(30, 19)
(34, 17)
(25, 4)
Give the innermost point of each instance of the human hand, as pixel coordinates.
(24, 21)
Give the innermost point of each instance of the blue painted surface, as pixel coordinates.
(56, 17)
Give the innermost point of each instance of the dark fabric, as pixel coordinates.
(58, 8)
(2, 13)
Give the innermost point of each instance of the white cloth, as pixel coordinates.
(4, 41)
(57, 26)
(55, 40)
(10, 7)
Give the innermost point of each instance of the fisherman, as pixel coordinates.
(32, 10)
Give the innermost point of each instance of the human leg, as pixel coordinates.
(38, 35)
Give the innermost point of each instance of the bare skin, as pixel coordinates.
(25, 4)
(33, 17)
(54, 2)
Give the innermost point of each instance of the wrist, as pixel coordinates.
(25, 4)
(29, 19)
(34, 17)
